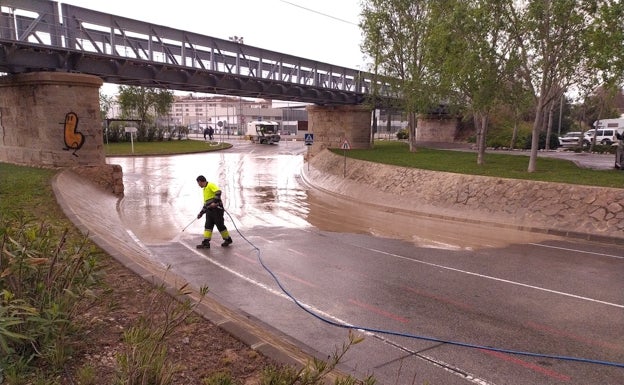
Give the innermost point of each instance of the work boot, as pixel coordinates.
(204, 245)
(226, 242)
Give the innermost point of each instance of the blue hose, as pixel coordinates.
(415, 336)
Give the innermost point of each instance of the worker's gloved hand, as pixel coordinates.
(200, 214)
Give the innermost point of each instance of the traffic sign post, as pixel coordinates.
(345, 146)
(308, 139)
(132, 131)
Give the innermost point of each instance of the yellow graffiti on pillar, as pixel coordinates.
(73, 139)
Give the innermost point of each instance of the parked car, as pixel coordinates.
(571, 139)
(605, 136)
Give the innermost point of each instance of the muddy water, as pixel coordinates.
(261, 187)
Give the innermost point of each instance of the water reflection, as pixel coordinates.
(161, 195)
(261, 187)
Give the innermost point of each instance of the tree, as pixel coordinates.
(141, 102)
(557, 42)
(394, 35)
(106, 103)
(469, 47)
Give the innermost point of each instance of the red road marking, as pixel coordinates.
(458, 304)
(293, 278)
(377, 310)
(562, 333)
(528, 365)
(243, 256)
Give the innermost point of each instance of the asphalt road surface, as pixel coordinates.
(438, 302)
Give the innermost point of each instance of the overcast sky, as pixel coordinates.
(323, 30)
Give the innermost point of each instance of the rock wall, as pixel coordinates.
(332, 125)
(108, 176)
(571, 210)
(50, 119)
(432, 129)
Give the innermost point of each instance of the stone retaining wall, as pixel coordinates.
(108, 176)
(559, 208)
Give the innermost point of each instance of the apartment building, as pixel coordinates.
(230, 114)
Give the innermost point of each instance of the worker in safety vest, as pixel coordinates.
(213, 208)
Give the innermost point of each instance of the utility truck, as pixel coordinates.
(263, 132)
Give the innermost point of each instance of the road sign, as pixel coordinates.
(308, 139)
(345, 145)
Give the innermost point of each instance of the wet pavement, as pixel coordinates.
(303, 259)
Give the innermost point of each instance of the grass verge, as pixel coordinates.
(496, 165)
(167, 147)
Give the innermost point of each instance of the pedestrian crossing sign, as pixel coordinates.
(308, 139)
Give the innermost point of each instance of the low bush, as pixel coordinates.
(402, 134)
(44, 275)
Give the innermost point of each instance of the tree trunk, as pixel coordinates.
(412, 131)
(482, 124)
(514, 135)
(549, 126)
(537, 125)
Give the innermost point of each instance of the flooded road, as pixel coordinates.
(259, 185)
(262, 186)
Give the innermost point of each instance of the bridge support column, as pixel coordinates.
(331, 125)
(51, 119)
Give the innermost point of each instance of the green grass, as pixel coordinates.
(167, 147)
(496, 165)
(28, 190)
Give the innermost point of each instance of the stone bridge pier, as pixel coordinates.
(333, 125)
(52, 119)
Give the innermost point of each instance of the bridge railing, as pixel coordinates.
(45, 23)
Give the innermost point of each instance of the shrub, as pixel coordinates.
(402, 134)
(44, 277)
(554, 141)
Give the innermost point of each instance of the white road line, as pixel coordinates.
(499, 279)
(577, 251)
(449, 368)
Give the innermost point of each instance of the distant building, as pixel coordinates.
(229, 115)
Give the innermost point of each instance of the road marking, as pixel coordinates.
(447, 367)
(577, 250)
(497, 279)
(528, 365)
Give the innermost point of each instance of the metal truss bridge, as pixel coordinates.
(43, 35)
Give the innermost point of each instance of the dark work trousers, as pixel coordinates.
(214, 217)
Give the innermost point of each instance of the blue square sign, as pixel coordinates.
(308, 139)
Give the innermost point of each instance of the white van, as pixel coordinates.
(606, 131)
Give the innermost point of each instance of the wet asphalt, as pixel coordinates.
(294, 279)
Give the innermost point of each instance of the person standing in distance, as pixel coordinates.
(213, 208)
